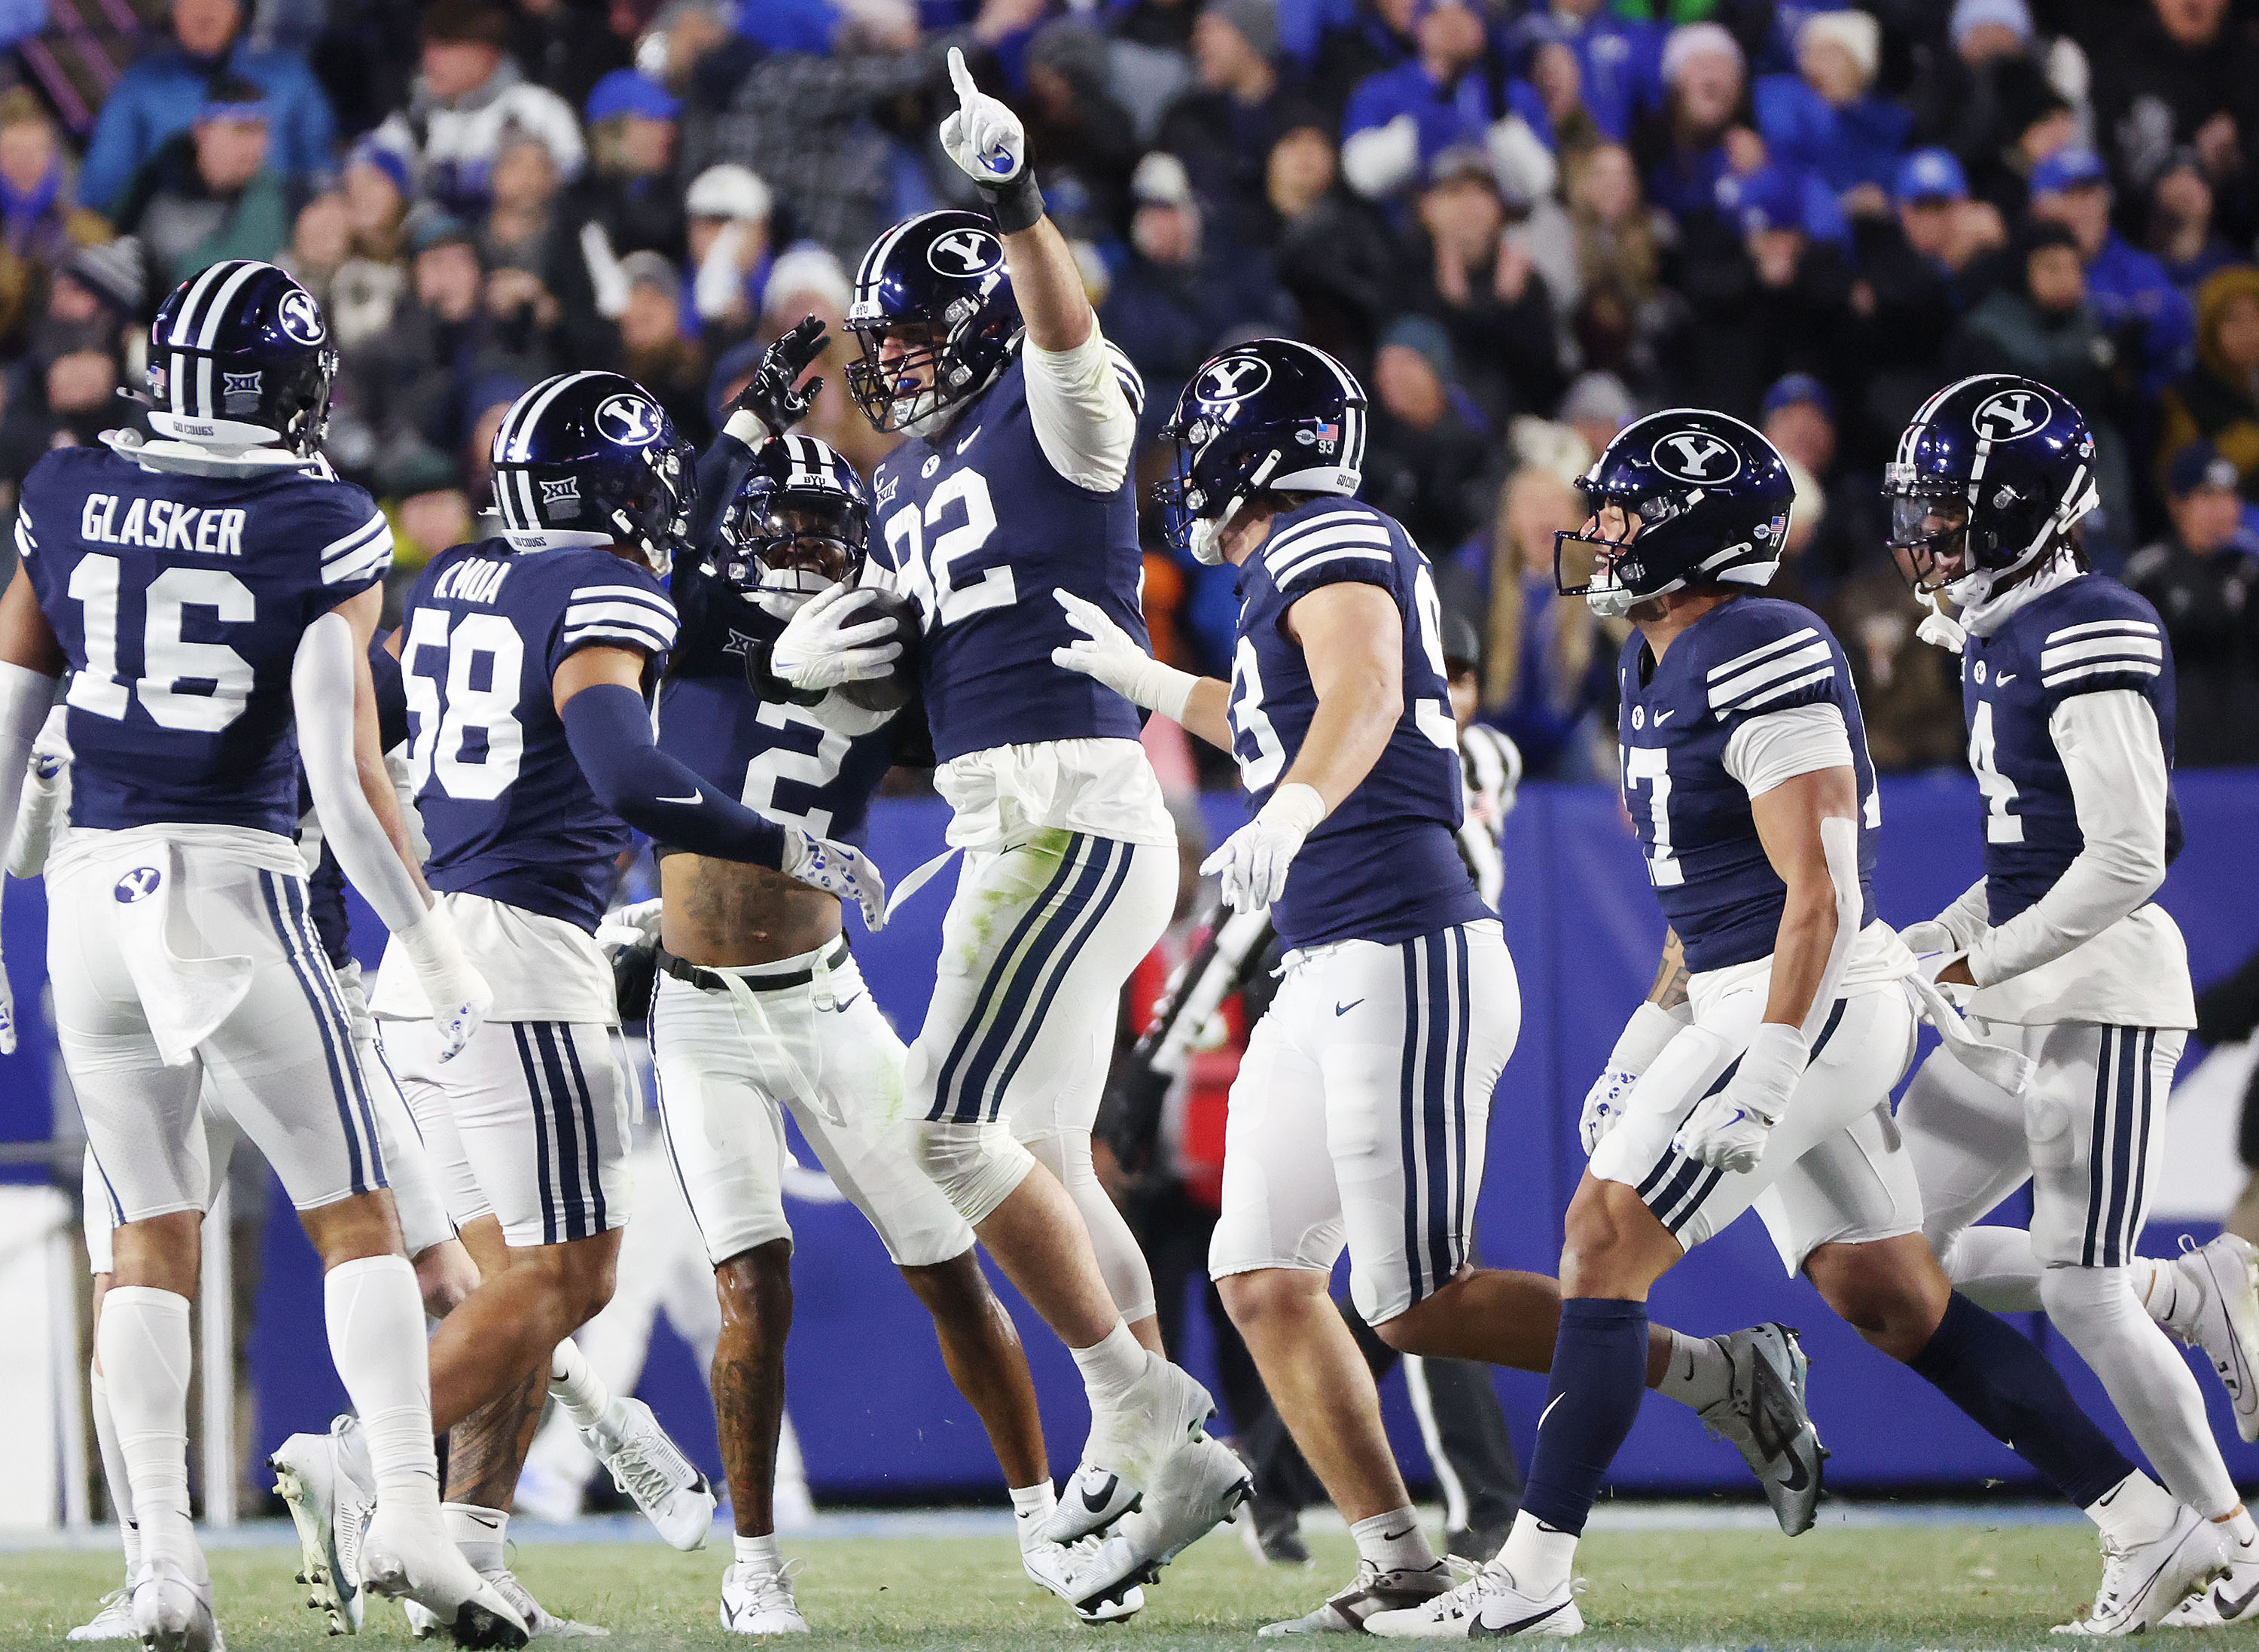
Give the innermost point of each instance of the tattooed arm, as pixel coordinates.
(1654, 1024)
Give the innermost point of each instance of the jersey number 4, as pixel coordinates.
(182, 685)
(2002, 823)
(467, 735)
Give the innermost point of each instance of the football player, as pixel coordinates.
(979, 344)
(1399, 1005)
(1745, 770)
(758, 1005)
(2068, 683)
(212, 593)
(525, 661)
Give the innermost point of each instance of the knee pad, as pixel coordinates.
(976, 1166)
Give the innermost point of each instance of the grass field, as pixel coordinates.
(1957, 1585)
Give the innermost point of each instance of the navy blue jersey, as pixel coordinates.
(1743, 658)
(769, 754)
(2086, 636)
(508, 812)
(1384, 866)
(978, 529)
(179, 602)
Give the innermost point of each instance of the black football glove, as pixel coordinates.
(769, 395)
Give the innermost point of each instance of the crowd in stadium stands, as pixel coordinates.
(1520, 227)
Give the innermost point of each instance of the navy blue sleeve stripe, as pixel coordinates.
(625, 592)
(1781, 691)
(346, 543)
(2056, 657)
(2103, 669)
(1304, 570)
(1281, 558)
(634, 637)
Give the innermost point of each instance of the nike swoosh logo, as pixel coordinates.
(1344, 1010)
(1097, 1504)
(841, 1010)
(1390, 1537)
(967, 442)
(1548, 1411)
(2231, 1607)
(1799, 1477)
(694, 797)
(1480, 1628)
(1662, 717)
(2005, 679)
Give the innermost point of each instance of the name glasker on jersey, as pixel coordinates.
(162, 524)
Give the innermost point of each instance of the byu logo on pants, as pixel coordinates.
(138, 885)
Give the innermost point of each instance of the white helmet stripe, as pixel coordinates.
(210, 320)
(184, 319)
(536, 401)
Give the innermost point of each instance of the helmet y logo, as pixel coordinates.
(1694, 456)
(1234, 378)
(2011, 414)
(972, 252)
(629, 420)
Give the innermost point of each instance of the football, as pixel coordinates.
(893, 691)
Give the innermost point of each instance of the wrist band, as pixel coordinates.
(1017, 205)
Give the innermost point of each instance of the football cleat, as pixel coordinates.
(1372, 1592)
(2233, 1597)
(400, 1558)
(329, 1504)
(648, 1466)
(755, 1602)
(2224, 1277)
(1763, 1415)
(113, 1622)
(1098, 1577)
(1273, 1531)
(1195, 1492)
(172, 1612)
(2143, 1582)
(1490, 1604)
(1165, 1410)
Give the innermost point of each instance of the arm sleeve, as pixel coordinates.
(1775, 747)
(609, 728)
(2116, 765)
(722, 470)
(1083, 403)
(322, 700)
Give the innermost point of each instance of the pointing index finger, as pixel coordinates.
(961, 78)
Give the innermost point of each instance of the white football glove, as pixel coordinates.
(1643, 1037)
(1728, 1130)
(984, 137)
(839, 869)
(458, 994)
(1106, 654)
(1933, 947)
(820, 648)
(1253, 860)
(630, 928)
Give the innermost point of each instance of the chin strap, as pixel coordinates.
(1939, 628)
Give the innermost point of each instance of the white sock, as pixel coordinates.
(482, 1533)
(2243, 1537)
(2166, 1294)
(2136, 1510)
(2146, 1378)
(144, 1344)
(1031, 1506)
(1995, 1268)
(1393, 1542)
(375, 1317)
(574, 1385)
(1699, 1374)
(1110, 1367)
(1537, 1556)
(760, 1553)
(114, 1476)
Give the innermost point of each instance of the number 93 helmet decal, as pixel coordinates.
(801, 524)
(593, 458)
(1680, 497)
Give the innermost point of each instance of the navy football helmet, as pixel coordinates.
(1271, 413)
(1705, 499)
(800, 523)
(240, 356)
(592, 457)
(1989, 477)
(937, 284)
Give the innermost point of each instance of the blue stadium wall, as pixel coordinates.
(877, 1418)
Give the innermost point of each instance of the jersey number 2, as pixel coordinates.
(445, 733)
(168, 660)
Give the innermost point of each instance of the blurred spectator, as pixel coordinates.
(40, 227)
(1914, 279)
(1166, 23)
(409, 384)
(1979, 98)
(1616, 307)
(1336, 260)
(1618, 58)
(629, 191)
(727, 210)
(1596, 407)
(467, 93)
(1225, 128)
(434, 513)
(2176, 72)
(205, 195)
(538, 287)
(566, 46)
(379, 189)
(1763, 296)
(160, 95)
(1084, 143)
(321, 241)
(1702, 129)
(1425, 459)
(1401, 119)
(1485, 290)
(2202, 578)
(1178, 295)
(1909, 692)
(806, 279)
(2181, 235)
(2219, 401)
(801, 118)
(2134, 300)
(654, 349)
(1827, 119)
(93, 301)
(1833, 533)
(2041, 322)
(1549, 662)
